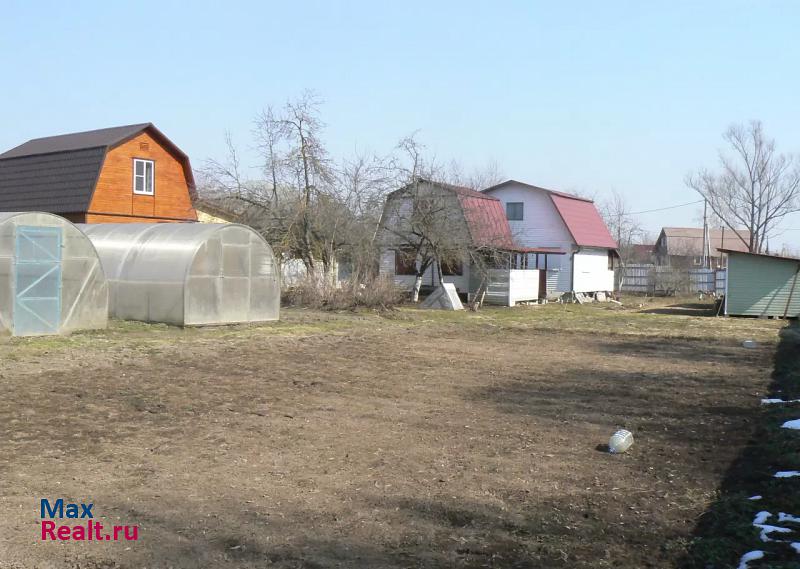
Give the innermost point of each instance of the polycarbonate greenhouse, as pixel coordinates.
(187, 274)
(51, 280)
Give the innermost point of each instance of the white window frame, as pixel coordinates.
(144, 191)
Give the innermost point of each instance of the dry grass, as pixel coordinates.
(409, 439)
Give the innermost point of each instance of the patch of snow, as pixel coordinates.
(778, 401)
(796, 546)
(750, 556)
(757, 497)
(792, 424)
(787, 473)
(787, 518)
(761, 517)
(768, 529)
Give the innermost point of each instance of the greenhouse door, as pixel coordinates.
(37, 297)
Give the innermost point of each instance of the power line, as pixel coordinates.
(665, 208)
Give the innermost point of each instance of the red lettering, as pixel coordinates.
(117, 529)
(79, 533)
(64, 533)
(134, 533)
(47, 528)
(97, 528)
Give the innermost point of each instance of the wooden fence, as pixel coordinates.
(657, 280)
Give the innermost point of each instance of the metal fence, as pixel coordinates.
(653, 279)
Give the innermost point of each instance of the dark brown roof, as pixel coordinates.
(102, 138)
(58, 174)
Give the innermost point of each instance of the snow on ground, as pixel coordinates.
(787, 473)
(757, 497)
(750, 556)
(778, 401)
(792, 424)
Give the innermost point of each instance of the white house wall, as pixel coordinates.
(591, 271)
(541, 226)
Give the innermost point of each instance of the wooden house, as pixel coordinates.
(475, 224)
(567, 224)
(113, 175)
(682, 247)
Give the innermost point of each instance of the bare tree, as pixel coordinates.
(624, 227)
(478, 179)
(270, 133)
(756, 187)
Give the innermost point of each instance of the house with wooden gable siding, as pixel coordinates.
(123, 174)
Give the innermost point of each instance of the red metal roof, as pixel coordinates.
(486, 219)
(583, 221)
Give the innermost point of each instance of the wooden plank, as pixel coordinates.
(114, 191)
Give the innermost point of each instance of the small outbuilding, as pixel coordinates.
(51, 279)
(762, 285)
(187, 274)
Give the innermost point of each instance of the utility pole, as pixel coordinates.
(706, 249)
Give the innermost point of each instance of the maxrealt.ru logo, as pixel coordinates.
(88, 530)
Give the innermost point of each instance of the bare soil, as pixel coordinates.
(413, 439)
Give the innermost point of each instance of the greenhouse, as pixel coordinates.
(187, 274)
(51, 280)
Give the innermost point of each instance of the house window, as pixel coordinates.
(611, 256)
(405, 262)
(514, 211)
(452, 269)
(144, 177)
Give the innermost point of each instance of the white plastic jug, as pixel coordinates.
(620, 441)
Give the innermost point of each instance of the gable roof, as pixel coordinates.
(101, 138)
(531, 186)
(483, 214)
(58, 174)
(580, 216)
(689, 240)
(584, 222)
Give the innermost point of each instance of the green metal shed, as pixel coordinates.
(762, 285)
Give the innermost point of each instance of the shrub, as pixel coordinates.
(380, 293)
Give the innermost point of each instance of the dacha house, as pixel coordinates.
(122, 174)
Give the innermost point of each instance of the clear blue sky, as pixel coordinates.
(574, 96)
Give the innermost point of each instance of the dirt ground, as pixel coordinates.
(414, 439)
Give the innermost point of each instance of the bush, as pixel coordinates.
(311, 292)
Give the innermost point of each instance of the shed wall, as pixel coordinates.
(761, 286)
(591, 272)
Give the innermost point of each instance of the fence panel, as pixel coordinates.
(652, 279)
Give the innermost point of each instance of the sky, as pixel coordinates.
(575, 96)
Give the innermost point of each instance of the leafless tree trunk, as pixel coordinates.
(756, 187)
(624, 227)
